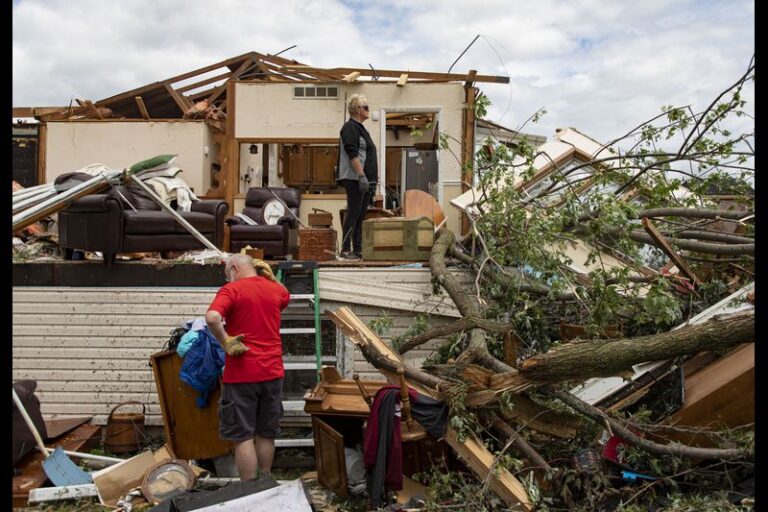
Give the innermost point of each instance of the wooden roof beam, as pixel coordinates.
(35, 111)
(417, 75)
(235, 74)
(142, 108)
(402, 80)
(135, 92)
(203, 82)
(92, 109)
(180, 100)
(351, 77)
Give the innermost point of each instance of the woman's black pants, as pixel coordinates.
(357, 204)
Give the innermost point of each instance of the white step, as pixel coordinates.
(293, 406)
(300, 366)
(297, 330)
(294, 443)
(302, 296)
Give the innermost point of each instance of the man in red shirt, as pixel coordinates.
(245, 318)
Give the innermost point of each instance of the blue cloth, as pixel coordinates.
(203, 365)
(186, 341)
(196, 324)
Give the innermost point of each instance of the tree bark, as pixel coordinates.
(467, 304)
(696, 213)
(695, 246)
(454, 327)
(603, 358)
(510, 434)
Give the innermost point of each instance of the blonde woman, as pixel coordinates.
(358, 173)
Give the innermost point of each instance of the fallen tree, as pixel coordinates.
(526, 286)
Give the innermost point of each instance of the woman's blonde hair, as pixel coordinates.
(355, 101)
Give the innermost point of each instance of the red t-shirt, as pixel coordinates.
(252, 306)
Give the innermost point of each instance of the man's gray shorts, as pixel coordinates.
(251, 408)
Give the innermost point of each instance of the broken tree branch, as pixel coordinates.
(467, 304)
(660, 449)
(603, 358)
(518, 442)
(454, 327)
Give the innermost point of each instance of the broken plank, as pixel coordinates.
(351, 77)
(402, 80)
(481, 461)
(142, 107)
(669, 251)
(93, 109)
(58, 427)
(69, 492)
(180, 100)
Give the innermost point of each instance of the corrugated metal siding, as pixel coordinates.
(89, 348)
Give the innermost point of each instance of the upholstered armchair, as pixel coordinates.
(122, 220)
(271, 234)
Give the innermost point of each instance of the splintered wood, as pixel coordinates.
(472, 450)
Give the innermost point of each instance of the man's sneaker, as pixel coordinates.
(348, 255)
(358, 255)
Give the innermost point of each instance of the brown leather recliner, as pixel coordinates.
(274, 240)
(109, 224)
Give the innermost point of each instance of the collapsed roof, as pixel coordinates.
(174, 97)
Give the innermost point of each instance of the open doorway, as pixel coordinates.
(409, 152)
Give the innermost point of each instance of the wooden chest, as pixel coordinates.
(320, 219)
(317, 244)
(398, 239)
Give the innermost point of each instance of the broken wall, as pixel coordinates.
(71, 145)
(269, 111)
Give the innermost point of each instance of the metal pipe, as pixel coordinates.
(31, 190)
(89, 456)
(59, 201)
(175, 214)
(287, 208)
(32, 200)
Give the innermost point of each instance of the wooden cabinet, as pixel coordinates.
(310, 167)
(339, 414)
(324, 160)
(297, 169)
(394, 167)
(329, 458)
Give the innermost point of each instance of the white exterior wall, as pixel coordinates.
(269, 111)
(89, 348)
(72, 145)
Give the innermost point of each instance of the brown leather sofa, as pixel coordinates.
(109, 224)
(274, 240)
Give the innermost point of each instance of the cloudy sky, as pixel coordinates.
(600, 66)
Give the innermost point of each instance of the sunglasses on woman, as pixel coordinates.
(364, 107)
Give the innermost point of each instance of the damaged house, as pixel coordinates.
(531, 319)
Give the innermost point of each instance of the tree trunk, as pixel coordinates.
(603, 358)
(468, 306)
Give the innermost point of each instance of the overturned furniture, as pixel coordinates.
(340, 409)
(122, 220)
(337, 397)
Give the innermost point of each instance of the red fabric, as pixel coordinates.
(252, 306)
(611, 449)
(393, 478)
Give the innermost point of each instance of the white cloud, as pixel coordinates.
(602, 67)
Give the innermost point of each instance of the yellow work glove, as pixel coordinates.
(266, 269)
(233, 345)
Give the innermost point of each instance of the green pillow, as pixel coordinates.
(154, 163)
